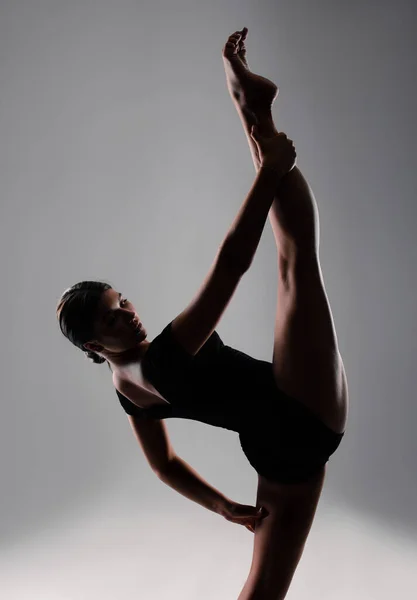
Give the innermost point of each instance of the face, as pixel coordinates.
(115, 332)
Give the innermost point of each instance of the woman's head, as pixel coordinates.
(101, 322)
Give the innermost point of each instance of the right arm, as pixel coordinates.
(152, 436)
(181, 477)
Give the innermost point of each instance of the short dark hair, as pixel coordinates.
(76, 312)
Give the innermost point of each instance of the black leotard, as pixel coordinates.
(224, 387)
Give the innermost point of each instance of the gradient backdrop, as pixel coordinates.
(122, 159)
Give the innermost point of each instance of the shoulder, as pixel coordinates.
(127, 388)
(118, 380)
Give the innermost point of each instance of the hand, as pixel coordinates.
(276, 152)
(245, 515)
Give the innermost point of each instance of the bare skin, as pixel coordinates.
(306, 362)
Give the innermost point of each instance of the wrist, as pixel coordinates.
(223, 507)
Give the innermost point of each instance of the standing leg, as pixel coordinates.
(280, 538)
(306, 361)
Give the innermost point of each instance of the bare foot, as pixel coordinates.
(252, 92)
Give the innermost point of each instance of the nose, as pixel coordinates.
(131, 317)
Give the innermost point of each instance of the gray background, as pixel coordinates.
(122, 159)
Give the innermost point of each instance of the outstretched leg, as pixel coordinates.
(306, 362)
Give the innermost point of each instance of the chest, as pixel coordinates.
(134, 373)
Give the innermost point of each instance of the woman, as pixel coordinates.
(290, 413)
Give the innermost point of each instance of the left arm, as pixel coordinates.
(195, 324)
(244, 235)
(182, 478)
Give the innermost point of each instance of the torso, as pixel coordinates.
(335, 421)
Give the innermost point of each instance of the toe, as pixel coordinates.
(234, 43)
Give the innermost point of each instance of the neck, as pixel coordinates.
(128, 357)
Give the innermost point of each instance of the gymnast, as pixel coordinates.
(290, 412)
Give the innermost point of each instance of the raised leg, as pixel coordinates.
(306, 361)
(294, 214)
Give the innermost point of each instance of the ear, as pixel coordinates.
(92, 347)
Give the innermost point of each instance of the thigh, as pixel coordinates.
(307, 364)
(285, 442)
(280, 538)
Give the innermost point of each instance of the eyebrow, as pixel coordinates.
(109, 311)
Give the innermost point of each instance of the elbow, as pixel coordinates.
(162, 470)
